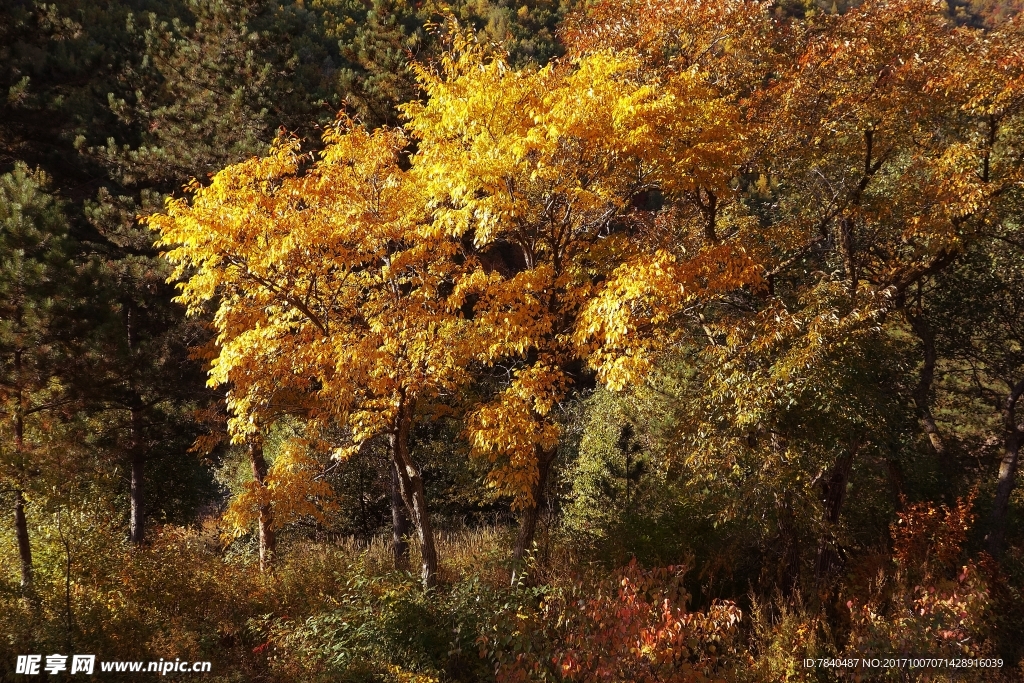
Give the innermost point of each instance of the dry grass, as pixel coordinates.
(482, 551)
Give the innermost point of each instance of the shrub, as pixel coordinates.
(631, 626)
(935, 602)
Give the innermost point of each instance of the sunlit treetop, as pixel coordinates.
(547, 176)
(328, 290)
(520, 235)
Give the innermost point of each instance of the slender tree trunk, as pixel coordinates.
(789, 539)
(848, 246)
(137, 512)
(364, 523)
(24, 549)
(400, 522)
(268, 542)
(847, 235)
(923, 390)
(20, 522)
(1012, 438)
(136, 525)
(528, 520)
(833, 496)
(790, 581)
(411, 487)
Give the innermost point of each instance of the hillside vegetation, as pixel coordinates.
(421, 342)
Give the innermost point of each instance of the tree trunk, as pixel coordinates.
(847, 236)
(709, 211)
(268, 542)
(846, 243)
(411, 487)
(20, 522)
(528, 521)
(790, 580)
(136, 525)
(1012, 438)
(400, 522)
(833, 496)
(24, 549)
(894, 473)
(923, 390)
(137, 512)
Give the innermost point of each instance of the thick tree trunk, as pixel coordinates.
(931, 430)
(411, 487)
(136, 526)
(24, 549)
(1012, 439)
(894, 473)
(400, 522)
(709, 211)
(530, 515)
(268, 542)
(833, 496)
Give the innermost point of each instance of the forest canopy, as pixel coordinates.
(626, 340)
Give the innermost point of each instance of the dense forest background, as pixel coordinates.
(621, 340)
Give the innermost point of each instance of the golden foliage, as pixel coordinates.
(540, 171)
(293, 489)
(327, 287)
(342, 283)
(574, 214)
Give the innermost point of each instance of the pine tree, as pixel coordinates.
(36, 289)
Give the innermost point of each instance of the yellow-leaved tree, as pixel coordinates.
(536, 229)
(333, 299)
(561, 184)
